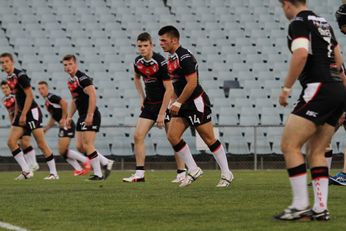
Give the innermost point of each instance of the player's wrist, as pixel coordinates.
(177, 104)
(286, 89)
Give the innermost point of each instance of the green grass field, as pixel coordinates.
(74, 204)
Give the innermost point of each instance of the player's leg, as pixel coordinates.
(63, 146)
(329, 155)
(319, 169)
(88, 139)
(181, 171)
(29, 151)
(206, 131)
(297, 131)
(176, 129)
(12, 142)
(47, 152)
(142, 128)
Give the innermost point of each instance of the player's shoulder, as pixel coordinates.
(184, 53)
(19, 72)
(51, 95)
(138, 58)
(82, 76)
(159, 59)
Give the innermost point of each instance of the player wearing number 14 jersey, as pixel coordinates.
(191, 108)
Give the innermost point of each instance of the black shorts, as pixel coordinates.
(197, 111)
(33, 120)
(67, 132)
(95, 125)
(27, 132)
(151, 111)
(321, 103)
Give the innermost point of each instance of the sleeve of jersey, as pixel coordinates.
(188, 64)
(55, 99)
(300, 35)
(136, 70)
(164, 71)
(85, 81)
(24, 81)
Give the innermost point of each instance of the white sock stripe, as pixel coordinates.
(9, 226)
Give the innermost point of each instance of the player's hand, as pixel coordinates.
(160, 122)
(22, 120)
(68, 122)
(62, 123)
(283, 98)
(175, 108)
(88, 120)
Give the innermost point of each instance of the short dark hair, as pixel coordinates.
(43, 83)
(3, 82)
(294, 2)
(8, 55)
(170, 30)
(69, 57)
(143, 37)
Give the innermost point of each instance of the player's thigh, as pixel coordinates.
(297, 131)
(206, 131)
(63, 144)
(79, 141)
(176, 128)
(14, 135)
(89, 138)
(142, 128)
(321, 139)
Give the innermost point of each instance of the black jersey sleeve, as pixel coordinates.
(188, 64)
(85, 81)
(54, 98)
(298, 29)
(23, 80)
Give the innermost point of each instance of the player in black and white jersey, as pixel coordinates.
(190, 108)
(57, 108)
(316, 61)
(152, 67)
(9, 102)
(27, 116)
(84, 101)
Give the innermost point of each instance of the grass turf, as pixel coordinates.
(74, 204)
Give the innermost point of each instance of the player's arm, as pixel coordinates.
(297, 63)
(49, 125)
(71, 112)
(139, 88)
(165, 102)
(64, 107)
(29, 97)
(91, 92)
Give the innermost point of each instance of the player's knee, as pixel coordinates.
(11, 143)
(138, 137)
(287, 147)
(173, 138)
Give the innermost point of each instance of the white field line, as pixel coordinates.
(11, 227)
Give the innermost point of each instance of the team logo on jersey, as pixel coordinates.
(147, 68)
(72, 85)
(173, 63)
(9, 102)
(12, 82)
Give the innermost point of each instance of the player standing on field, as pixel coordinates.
(27, 116)
(316, 60)
(57, 108)
(190, 108)
(9, 102)
(84, 101)
(154, 102)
